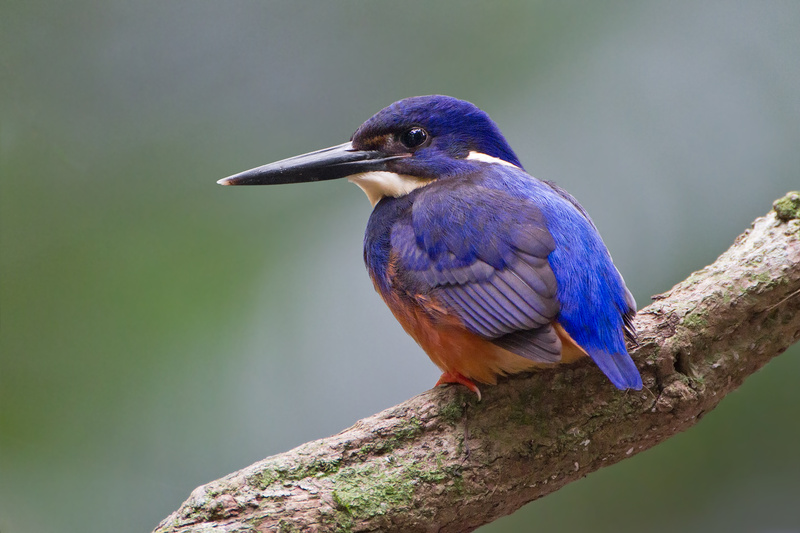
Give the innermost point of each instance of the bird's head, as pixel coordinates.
(403, 147)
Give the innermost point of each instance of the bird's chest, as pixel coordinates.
(378, 241)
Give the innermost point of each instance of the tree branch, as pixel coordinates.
(442, 461)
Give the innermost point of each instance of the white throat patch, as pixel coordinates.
(479, 156)
(378, 184)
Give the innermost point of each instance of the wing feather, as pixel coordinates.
(540, 345)
(485, 256)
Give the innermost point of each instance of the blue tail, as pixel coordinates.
(620, 369)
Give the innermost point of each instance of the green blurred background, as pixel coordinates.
(159, 331)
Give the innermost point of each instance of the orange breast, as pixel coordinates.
(456, 350)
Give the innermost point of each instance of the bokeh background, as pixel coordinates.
(158, 331)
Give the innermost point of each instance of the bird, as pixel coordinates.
(492, 272)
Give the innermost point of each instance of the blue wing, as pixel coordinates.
(510, 258)
(484, 254)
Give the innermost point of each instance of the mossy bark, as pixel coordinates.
(442, 461)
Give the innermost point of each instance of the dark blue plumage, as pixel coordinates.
(492, 271)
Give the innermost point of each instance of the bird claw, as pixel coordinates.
(448, 377)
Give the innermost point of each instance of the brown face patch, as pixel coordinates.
(374, 142)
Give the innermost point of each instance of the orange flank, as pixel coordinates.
(570, 350)
(463, 356)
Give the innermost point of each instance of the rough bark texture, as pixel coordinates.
(442, 461)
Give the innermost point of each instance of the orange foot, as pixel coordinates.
(449, 377)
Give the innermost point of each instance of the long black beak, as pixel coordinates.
(326, 164)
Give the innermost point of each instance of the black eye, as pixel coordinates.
(413, 137)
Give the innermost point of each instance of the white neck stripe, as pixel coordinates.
(479, 156)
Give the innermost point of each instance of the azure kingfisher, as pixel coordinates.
(490, 270)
